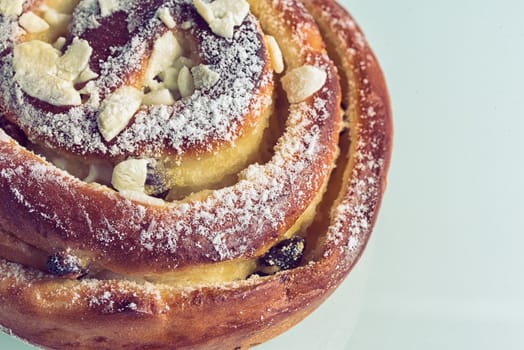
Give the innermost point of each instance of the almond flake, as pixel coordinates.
(35, 64)
(277, 61)
(130, 175)
(11, 7)
(158, 97)
(185, 83)
(55, 18)
(59, 43)
(186, 25)
(75, 60)
(223, 15)
(204, 77)
(169, 78)
(86, 75)
(117, 110)
(108, 7)
(302, 82)
(165, 51)
(32, 23)
(166, 18)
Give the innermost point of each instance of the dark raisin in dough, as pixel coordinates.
(63, 264)
(285, 255)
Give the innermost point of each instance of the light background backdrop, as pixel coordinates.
(444, 269)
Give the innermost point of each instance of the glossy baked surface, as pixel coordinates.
(125, 268)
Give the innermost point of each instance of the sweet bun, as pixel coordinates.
(182, 174)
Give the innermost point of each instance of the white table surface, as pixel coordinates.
(444, 266)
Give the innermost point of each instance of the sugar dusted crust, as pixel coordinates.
(97, 314)
(201, 123)
(237, 222)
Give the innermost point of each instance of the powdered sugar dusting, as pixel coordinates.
(228, 223)
(20, 274)
(212, 229)
(209, 117)
(8, 29)
(353, 217)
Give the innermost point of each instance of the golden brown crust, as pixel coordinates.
(127, 237)
(113, 36)
(96, 314)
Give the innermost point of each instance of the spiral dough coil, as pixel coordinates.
(182, 174)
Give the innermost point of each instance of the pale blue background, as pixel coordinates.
(445, 265)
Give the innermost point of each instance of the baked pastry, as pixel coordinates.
(182, 174)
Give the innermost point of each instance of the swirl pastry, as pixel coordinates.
(182, 174)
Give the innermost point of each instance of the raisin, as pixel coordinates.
(156, 180)
(65, 265)
(285, 255)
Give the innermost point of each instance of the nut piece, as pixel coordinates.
(75, 60)
(35, 64)
(277, 61)
(169, 78)
(11, 7)
(302, 82)
(186, 87)
(204, 77)
(186, 25)
(166, 17)
(223, 15)
(55, 18)
(32, 23)
(86, 75)
(158, 97)
(165, 51)
(42, 73)
(59, 43)
(108, 7)
(130, 175)
(117, 110)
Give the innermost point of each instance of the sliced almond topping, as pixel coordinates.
(91, 90)
(223, 15)
(59, 43)
(117, 110)
(204, 77)
(166, 18)
(108, 7)
(186, 25)
(158, 97)
(35, 64)
(55, 18)
(75, 60)
(86, 75)
(32, 23)
(11, 7)
(183, 61)
(302, 82)
(130, 175)
(169, 78)
(185, 83)
(165, 51)
(277, 61)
